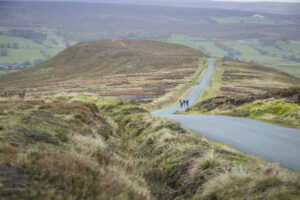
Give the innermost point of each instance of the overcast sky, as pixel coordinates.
(181, 1)
(296, 1)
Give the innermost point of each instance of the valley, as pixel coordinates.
(91, 93)
(268, 38)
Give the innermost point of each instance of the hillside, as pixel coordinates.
(58, 142)
(253, 91)
(110, 68)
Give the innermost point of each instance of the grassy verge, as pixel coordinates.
(86, 147)
(276, 111)
(215, 83)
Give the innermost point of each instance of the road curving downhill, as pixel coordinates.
(267, 141)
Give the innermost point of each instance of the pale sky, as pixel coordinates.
(293, 1)
(181, 1)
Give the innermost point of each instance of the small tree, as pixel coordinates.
(26, 63)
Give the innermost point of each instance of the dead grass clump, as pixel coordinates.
(77, 177)
(7, 153)
(238, 183)
(103, 157)
(26, 136)
(14, 185)
(208, 165)
(10, 106)
(80, 116)
(87, 145)
(228, 185)
(154, 175)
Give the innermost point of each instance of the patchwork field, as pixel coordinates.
(279, 54)
(20, 51)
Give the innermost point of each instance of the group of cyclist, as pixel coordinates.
(183, 103)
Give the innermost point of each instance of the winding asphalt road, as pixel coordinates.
(264, 140)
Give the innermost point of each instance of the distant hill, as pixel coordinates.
(97, 61)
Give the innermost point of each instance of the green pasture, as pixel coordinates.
(22, 42)
(53, 51)
(198, 43)
(28, 50)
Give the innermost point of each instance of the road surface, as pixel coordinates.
(264, 140)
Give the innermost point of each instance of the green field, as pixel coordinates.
(53, 51)
(22, 55)
(201, 44)
(30, 50)
(23, 43)
(288, 67)
(279, 54)
(276, 54)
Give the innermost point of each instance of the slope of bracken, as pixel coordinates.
(132, 69)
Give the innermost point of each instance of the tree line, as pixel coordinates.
(27, 34)
(9, 45)
(5, 46)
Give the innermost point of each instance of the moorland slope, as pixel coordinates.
(133, 68)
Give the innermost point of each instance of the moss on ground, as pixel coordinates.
(275, 111)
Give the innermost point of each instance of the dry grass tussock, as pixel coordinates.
(79, 177)
(68, 156)
(208, 165)
(237, 183)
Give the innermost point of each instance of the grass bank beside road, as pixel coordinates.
(86, 147)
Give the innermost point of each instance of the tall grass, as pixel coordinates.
(139, 156)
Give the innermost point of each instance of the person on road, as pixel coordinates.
(181, 104)
(187, 103)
